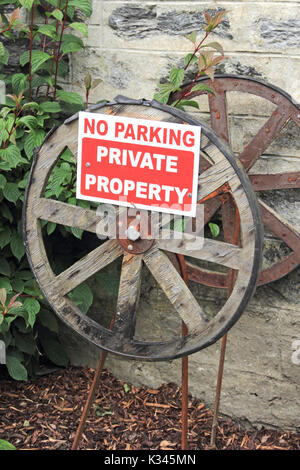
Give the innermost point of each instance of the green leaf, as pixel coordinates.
(4, 55)
(57, 14)
(33, 106)
(83, 5)
(25, 343)
(5, 283)
(191, 37)
(4, 445)
(3, 295)
(11, 192)
(165, 89)
(54, 3)
(4, 267)
(50, 107)
(27, 3)
(17, 246)
(68, 47)
(82, 296)
(68, 38)
(32, 307)
(37, 59)
(214, 229)
(5, 237)
(190, 59)
(99, 411)
(126, 388)
(49, 30)
(34, 139)
(69, 97)
(54, 350)
(203, 87)
(77, 232)
(18, 81)
(179, 224)
(17, 285)
(12, 155)
(28, 121)
(191, 103)
(48, 320)
(51, 226)
(215, 45)
(2, 181)
(15, 368)
(176, 76)
(80, 27)
(24, 275)
(6, 212)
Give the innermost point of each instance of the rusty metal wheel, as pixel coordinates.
(224, 175)
(286, 110)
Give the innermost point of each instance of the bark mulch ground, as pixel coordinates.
(43, 414)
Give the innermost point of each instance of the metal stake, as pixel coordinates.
(184, 371)
(231, 280)
(91, 395)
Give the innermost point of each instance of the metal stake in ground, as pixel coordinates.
(227, 207)
(91, 396)
(184, 370)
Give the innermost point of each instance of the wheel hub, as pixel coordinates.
(134, 234)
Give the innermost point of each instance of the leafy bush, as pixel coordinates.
(205, 55)
(35, 103)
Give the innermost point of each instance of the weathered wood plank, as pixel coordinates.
(66, 214)
(86, 267)
(128, 296)
(175, 288)
(206, 249)
(214, 178)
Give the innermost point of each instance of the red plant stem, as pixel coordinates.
(13, 127)
(59, 47)
(30, 52)
(186, 92)
(54, 51)
(197, 49)
(6, 29)
(45, 38)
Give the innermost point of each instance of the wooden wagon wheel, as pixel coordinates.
(286, 110)
(224, 172)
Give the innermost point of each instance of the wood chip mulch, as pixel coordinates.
(43, 414)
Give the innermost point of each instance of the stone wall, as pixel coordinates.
(132, 46)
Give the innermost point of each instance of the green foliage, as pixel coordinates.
(36, 102)
(214, 229)
(171, 91)
(5, 445)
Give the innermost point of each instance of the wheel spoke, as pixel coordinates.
(281, 228)
(215, 177)
(175, 288)
(86, 267)
(206, 277)
(67, 214)
(228, 218)
(204, 248)
(218, 113)
(128, 297)
(264, 137)
(76, 216)
(266, 182)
